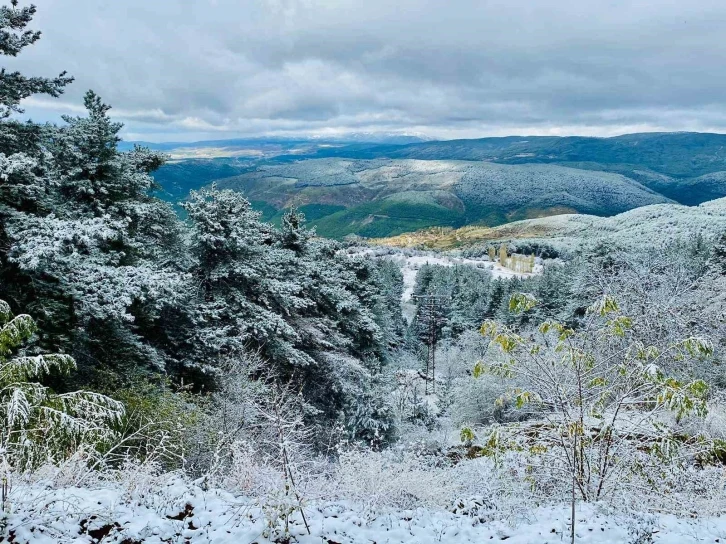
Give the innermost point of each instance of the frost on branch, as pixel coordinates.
(598, 395)
(39, 425)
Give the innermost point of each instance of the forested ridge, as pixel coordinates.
(217, 378)
(118, 282)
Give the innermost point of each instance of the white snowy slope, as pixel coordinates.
(639, 227)
(179, 512)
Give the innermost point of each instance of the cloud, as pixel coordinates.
(459, 68)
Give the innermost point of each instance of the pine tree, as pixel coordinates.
(93, 261)
(717, 261)
(22, 161)
(293, 233)
(14, 37)
(313, 313)
(39, 425)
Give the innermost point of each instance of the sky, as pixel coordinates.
(186, 70)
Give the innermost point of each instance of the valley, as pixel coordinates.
(379, 190)
(321, 327)
(410, 263)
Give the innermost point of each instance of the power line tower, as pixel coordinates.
(432, 318)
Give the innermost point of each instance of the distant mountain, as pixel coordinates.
(666, 162)
(676, 154)
(381, 189)
(309, 144)
(384, 197)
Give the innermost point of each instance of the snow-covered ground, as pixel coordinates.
(411, 264)
(179, 512)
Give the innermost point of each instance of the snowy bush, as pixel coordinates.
(597, 391)
(641, 529)
(386, 480)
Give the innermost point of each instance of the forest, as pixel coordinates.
(208, 376)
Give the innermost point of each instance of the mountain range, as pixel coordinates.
(379, 189)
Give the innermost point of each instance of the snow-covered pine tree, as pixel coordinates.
(717, 262)
(98, 260)
(293, 233)
(14, 37)
(22, 161)
(246, 286)
(82, 243)
(308, 309)
(389, 317)
(38, 425)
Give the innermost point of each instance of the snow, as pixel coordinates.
(410, 265)
(180, 512)
(637, 228)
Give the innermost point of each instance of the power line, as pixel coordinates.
(432, 305)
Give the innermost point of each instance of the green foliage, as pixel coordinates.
(715, 454)
(385, 218)
(521, 302)
(157, 420)
(176, 179)
(604, 305)
(467, 435)
(40, 425)
(599, 383)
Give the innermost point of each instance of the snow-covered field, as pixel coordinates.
(636, 228)
(179, 512)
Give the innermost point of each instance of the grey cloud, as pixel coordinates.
(445, 69)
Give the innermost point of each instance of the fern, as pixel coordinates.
(35, 367)
(15, 332)
(38, 425)
(5, 312)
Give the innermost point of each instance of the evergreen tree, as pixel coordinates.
(717, 262)
(312, 312)
(38, 425)
(92, 260)
(293, 234)
(14, 37)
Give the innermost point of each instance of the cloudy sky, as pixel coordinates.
(209, 69)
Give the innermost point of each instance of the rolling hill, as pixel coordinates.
(385, 197)
(676, 154)
(635, 228)
(379, 189)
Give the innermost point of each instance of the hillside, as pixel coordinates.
(376, 198)
(673, 154)
(381, 189)
(676, 154)
(636, 228)
(678, 165)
